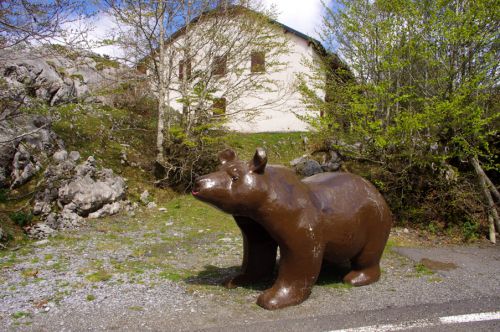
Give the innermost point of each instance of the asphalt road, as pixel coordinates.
(471, 268)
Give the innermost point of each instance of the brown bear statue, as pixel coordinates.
(329, 217)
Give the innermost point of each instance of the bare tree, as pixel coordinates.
(36, 22)
(223, 59)
(196, 54)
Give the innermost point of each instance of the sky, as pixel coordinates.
(301, 15)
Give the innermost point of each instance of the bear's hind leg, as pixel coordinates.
(364, 276)
(366, 265)
(259, 254)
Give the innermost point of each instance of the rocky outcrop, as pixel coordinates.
(25, 141)
(57, 75)
(74, 191)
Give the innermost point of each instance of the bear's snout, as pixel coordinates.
(196, 186)
(203, 183)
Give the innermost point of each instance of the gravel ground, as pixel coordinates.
(152, 273)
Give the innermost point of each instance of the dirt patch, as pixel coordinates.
(437, 265)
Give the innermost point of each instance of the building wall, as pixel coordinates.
(281, 114)
(268, 111)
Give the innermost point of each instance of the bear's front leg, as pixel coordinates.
(299, 270)
(259, 254)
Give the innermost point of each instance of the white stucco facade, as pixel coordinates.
(255, 109)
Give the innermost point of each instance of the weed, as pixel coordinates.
(30, 273)
(90, 297)
(20, 314)
(470, 230)
(99, 276)
(136, 308)
(422, 270)
(173, 276)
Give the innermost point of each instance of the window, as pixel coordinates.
(258, 62)
(184, 67)
(219, 65)
(219, 106)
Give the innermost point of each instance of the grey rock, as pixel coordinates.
(307, 167)
(151, 205)
(330, 166)
(43, 73)
(86, 168)
(60, 155)
(106, 210)
(145, 197)
(74, 155)
(90, 194)
(24, 167)
(297, 161)
(40, 231)
(335, 157)
(52, 221)
(41, 207)
(68, 219)
(3, 177)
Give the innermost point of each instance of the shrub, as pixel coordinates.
(21, 218)
(189, 157)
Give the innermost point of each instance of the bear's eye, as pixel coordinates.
(234, 178)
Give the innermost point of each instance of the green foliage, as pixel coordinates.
(423, 270)
(422, 101)
(65, 51)
(4, 195)
(281, 148)
(189, 156)
(103, 62)
(21, 218)
(470, 230)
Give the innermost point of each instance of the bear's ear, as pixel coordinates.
(226, 155)
(259, 161)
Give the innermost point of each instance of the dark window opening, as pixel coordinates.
(219, 106)
(184, 67)
(258, 62)
(219, 65)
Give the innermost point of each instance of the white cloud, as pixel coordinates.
(103, 26)
(90, 33)
(301, 15)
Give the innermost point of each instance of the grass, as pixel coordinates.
(99, 276)
(20, 314)
(422, 270)
(281, 147)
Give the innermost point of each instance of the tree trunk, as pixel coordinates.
(492, 211)
(161, 96)
(492, 230)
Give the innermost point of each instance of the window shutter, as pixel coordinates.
(258, 62)
(187, 65)
(219, 65)
(219, 106)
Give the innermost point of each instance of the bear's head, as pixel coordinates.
(237, 187)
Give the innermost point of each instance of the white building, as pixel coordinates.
(246, 65)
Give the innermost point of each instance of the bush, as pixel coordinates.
(21, 219)
(189, 157)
